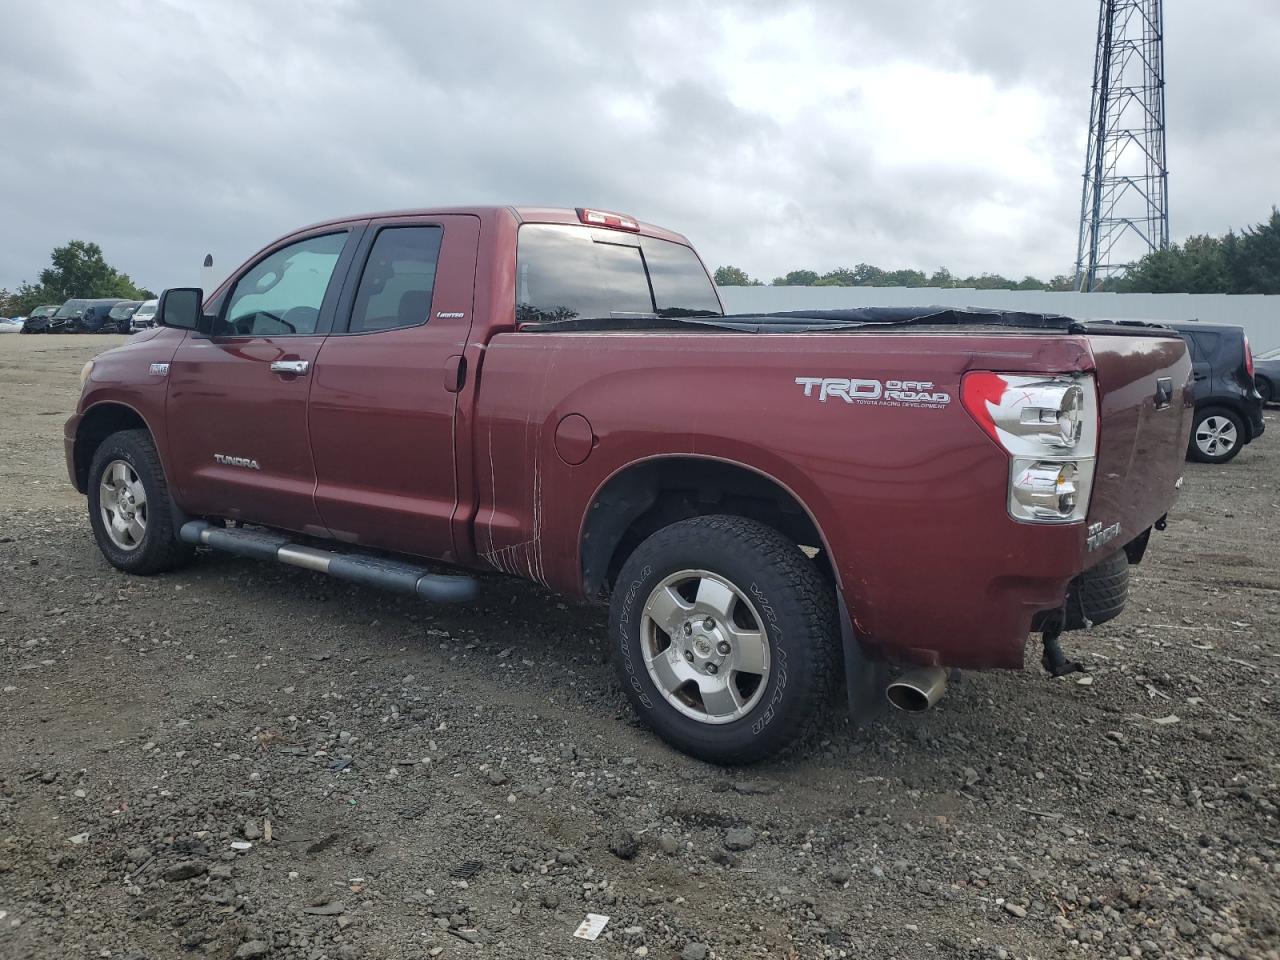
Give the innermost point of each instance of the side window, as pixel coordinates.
(567, 272)
(1194, 346)
(681, 286)
(1209, 343)
(281, 294)
(399, 277)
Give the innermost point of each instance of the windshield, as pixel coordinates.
(148, 309)
(44, 311)
(1270, 355)
(72, 308)
(566, 272)
(122, 310)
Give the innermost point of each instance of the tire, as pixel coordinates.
(1214, 427)
(1266, 388)
(776, 589)
(131, 458)
(1099, 594)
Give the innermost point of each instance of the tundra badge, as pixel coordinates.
(245, 462)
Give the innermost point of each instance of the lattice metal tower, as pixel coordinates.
(1124, 211)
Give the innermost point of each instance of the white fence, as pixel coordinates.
(1259, 315)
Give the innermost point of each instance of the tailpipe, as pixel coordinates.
(918, 690)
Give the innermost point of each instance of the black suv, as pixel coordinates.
(1228, 405)
(95, 318)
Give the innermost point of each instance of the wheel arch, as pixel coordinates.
(97, 423)
(646, 495)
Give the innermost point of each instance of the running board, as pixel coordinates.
(358, 568)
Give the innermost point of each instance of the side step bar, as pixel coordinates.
(358, 568)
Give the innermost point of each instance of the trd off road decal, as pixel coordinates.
(875, 393)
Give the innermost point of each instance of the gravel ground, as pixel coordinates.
(244, 760)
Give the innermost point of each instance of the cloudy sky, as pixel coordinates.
(775, 135)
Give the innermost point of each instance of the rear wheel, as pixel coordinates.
(1217, 435)
(129, 506)
(724, 638)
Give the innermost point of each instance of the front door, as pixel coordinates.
(237, 401)
(385, 386)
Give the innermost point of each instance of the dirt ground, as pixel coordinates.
(245, 760)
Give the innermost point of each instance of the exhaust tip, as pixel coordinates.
(918, 690)
(908, 698)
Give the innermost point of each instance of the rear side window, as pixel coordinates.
(398, 280)
(1192, 346)
(1208, 344)
(565, 272)
(680, 282)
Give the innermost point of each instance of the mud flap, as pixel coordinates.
(864, 678)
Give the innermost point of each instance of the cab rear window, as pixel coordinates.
(566, 272)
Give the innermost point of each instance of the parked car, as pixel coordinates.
(771, 502)
(120, 319)
(96, 317)
(38, 320)
(144, 316)
(1228, 405)
(1266, 376)
(11, 324)
(67, 317)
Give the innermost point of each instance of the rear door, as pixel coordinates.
(1202, 346)
(386, 384)
(237, 402)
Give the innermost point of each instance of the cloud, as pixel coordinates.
(775, 135)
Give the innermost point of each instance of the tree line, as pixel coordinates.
(866, 275)
(77, 269)
(1244, 262)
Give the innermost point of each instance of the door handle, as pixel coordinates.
(455, 373)
(297, 367)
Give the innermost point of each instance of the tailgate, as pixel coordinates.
(1146, 408)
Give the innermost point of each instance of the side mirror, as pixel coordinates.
(180, 307)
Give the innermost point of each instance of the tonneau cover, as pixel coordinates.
(820, 321)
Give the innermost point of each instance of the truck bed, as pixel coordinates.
(910, 497)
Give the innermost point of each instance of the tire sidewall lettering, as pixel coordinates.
(779, 653)
(624, 635)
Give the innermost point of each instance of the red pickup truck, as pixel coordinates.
(770, 503)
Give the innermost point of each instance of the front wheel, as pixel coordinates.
(724, 638)
(129, 506)
(1217, 435)
(1266, 388)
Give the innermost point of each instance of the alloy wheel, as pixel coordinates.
(705, 646)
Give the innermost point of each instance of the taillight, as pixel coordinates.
(600, 218)
(1049, 427)
(1248, 358)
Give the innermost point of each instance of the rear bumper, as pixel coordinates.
(1257, 424)
(975, 608)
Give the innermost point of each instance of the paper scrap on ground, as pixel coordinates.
(591, 927)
